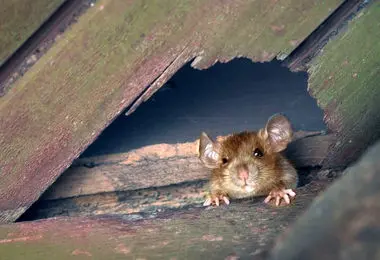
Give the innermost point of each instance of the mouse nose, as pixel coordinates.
(243, 174)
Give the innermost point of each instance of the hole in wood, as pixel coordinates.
(146, 162)
(225, 98)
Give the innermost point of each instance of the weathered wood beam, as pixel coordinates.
(19, 19)
(40, 39)
(344, 79)
(103, 63)
(242, 230)
(162, 165)
(301, 57)
(343, 223)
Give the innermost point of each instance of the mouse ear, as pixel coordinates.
(208, 151)
(278, 133)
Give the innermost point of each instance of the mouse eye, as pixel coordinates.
(258, 153)
(224, 160)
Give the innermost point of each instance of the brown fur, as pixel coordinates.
(272, 171)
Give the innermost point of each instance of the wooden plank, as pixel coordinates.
(38, 43)
(103, 63)
(242, 230)
(136, 204)
(300, 58)
(19, 19)
(162, 165)
(343, 223)
(345, 81)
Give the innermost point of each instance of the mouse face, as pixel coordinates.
(248, 159)
(244, 160)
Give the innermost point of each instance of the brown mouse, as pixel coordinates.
(250, 164)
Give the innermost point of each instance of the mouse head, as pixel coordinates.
(248, 158)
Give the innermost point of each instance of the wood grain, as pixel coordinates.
(162, 165)
(345, 81)
(242, 230)
(19, 19)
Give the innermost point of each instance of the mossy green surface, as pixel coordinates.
(19, 19)
(345, 80)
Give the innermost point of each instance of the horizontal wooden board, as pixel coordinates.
(103, 63)
(242, 230)
(162, 165)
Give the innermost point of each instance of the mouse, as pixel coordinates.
(250, 164)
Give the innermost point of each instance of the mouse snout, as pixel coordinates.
(243, 173)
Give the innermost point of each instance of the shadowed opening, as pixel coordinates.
(226, 98)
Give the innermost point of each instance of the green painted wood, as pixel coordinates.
(100, 65)
(19, 19)
(345, 81)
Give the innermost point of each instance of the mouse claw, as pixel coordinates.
(216, 199)
(280, 194)
(290, 192)
(207, 202)
(226, 200)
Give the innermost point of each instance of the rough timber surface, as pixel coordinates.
(163, 165)
(343, 222)
(103, 63)
(241, 230)
(345, 81)
(336, 22)
(152, 179)
(19, 19)
(39, 42)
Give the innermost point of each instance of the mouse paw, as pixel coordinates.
(216, 200)
(285, 194)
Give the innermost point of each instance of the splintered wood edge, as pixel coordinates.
(162, 165)
(344, 79)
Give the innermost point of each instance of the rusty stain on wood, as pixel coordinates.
(102, 64)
